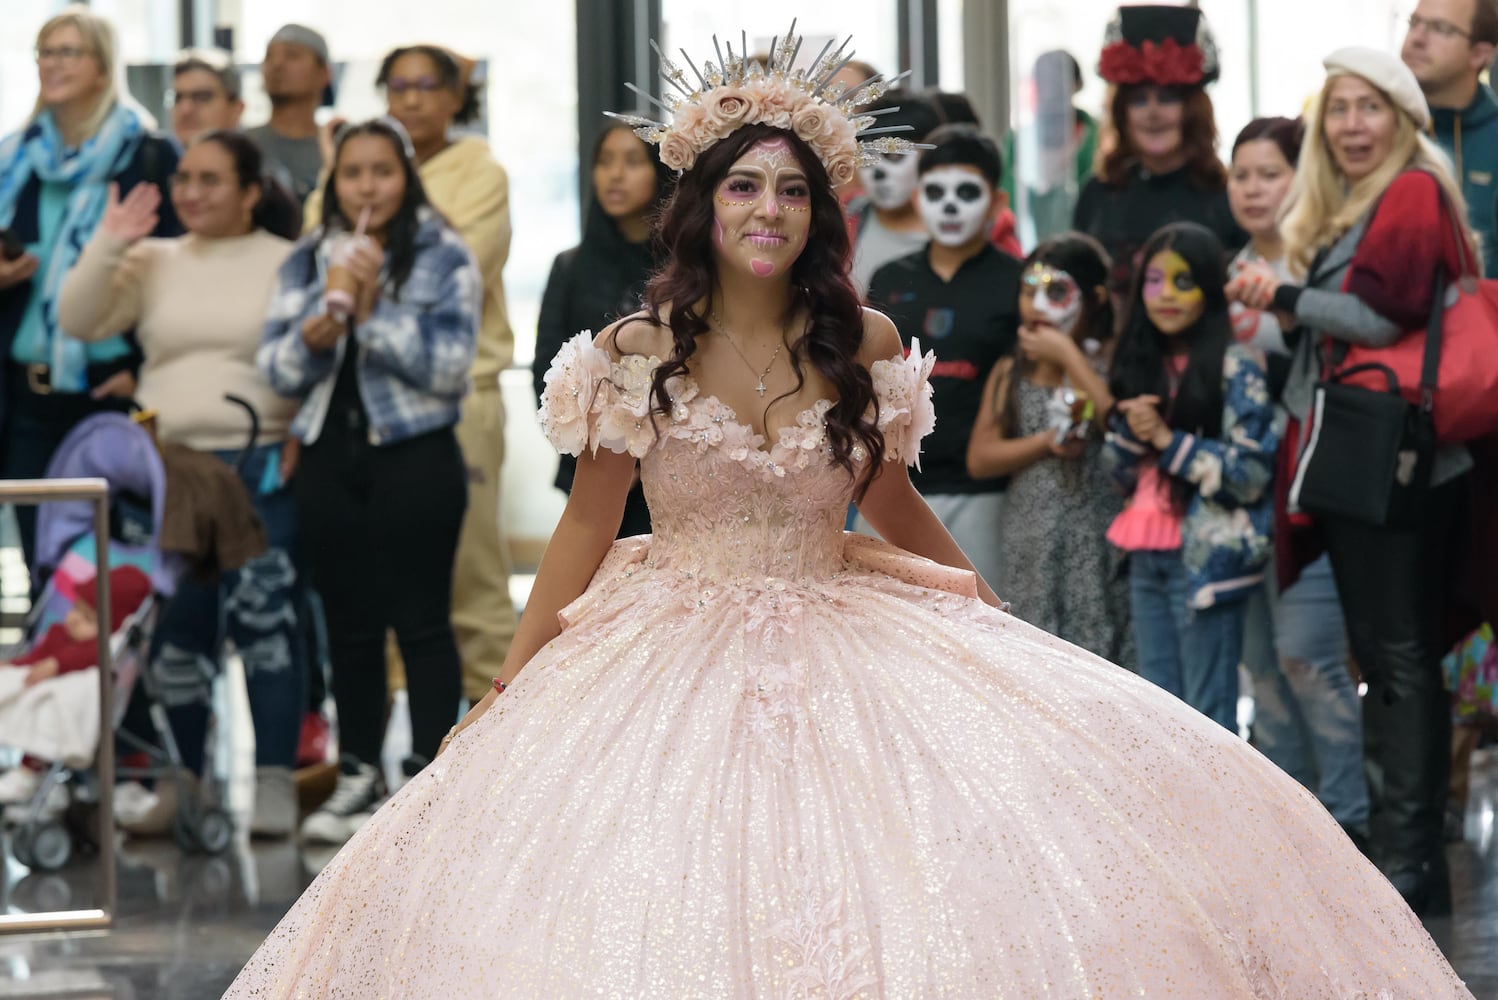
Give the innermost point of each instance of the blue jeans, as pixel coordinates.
(1307, 717)
(257, 608)
(1193, 654)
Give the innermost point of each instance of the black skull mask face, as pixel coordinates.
(955, 203)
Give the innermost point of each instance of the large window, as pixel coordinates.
(691, 24)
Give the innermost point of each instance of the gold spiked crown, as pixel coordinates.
(737, 91)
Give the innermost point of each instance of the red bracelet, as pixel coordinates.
(500, 685)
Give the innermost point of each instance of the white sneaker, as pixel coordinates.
(360, 792)
(132, 799)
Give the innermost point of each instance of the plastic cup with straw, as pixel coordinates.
(342, 286)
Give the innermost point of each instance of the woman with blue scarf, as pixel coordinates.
(54, 180)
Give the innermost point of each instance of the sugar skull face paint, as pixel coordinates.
(1049, 296)
(762, 211)
(955, 203)
(1172, 298)
(891, 181)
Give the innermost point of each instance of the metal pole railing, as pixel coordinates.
(96, 491)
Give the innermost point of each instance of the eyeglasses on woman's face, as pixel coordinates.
(61, 53)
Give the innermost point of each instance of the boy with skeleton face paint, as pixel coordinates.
(958, 295)
(884, 223)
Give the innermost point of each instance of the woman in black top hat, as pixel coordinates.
(1157, 152)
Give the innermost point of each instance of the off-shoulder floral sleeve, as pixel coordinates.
(592, 401)
(902, 388)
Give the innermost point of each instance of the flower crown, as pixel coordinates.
(738, 91)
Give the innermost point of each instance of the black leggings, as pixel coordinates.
(379, 527)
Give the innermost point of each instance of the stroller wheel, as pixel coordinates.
(20, 846)
(185, 832)
(215, 831)
(51, 846)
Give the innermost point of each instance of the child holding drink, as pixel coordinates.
(375, 334)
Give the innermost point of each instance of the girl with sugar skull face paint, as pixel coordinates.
(1054, 296)
(1036, 425)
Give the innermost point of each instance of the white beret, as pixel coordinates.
(1385, 72)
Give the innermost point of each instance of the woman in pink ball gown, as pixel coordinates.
(753, 756)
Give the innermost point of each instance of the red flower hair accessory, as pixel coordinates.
(1164, 64)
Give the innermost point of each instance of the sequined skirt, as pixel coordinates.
(864, 786)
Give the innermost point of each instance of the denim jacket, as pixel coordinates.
(415, 352)
(1225, 534)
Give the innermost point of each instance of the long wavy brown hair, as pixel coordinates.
(1116, 157)
(831, 340)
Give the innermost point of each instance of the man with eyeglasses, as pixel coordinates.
(298, 80)
(1449, 45)
(205, 94)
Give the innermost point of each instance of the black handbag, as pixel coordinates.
(1370, 453)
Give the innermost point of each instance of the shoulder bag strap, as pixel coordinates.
(1430, 369)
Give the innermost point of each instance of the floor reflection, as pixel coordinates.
(188, 923)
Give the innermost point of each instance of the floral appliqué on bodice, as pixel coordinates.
(725, 506)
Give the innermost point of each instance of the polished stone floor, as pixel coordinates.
(187, 924)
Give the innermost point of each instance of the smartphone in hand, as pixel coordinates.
(11, 247)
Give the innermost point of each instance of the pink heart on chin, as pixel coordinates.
(763, 268)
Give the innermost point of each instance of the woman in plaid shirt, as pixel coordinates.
(382, 484)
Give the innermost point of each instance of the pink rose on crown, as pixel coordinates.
(678, 150)
(842, 167)
(688, 118)
(726, 109)
(775, 103)
(840, 132)
(812, 120)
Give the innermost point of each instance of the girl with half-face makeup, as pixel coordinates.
(1192, 443)
(753, 755)
(1041, 424)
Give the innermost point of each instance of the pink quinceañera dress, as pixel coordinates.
(767, 759)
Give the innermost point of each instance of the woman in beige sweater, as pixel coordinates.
(197, 304)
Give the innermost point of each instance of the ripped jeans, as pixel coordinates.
(257, 608)
(1307, 715)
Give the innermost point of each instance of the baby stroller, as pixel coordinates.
(116, 448)
(43, 830)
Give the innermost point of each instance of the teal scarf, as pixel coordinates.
(38, 151)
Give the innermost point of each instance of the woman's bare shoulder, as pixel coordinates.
(638, 334)
(881, 340)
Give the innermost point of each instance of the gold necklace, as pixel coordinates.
(760, 386)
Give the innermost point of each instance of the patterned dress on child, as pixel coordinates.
(1060, 574)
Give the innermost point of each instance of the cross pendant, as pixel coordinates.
(761, 387)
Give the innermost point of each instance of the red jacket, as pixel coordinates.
(70, 654)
